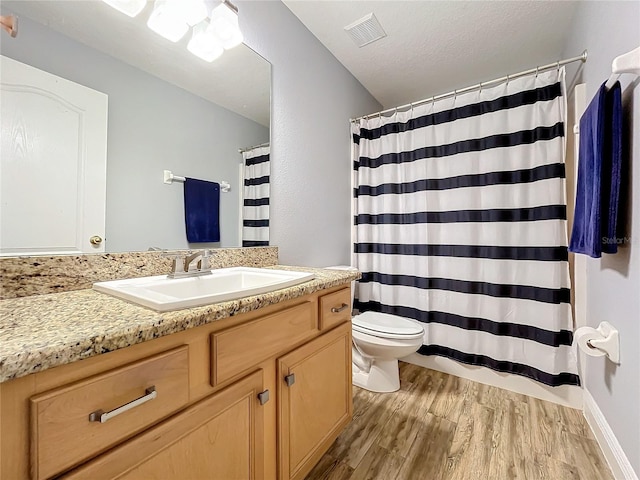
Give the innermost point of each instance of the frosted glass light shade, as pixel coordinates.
(204, 44)
(224, 24)
(166, 20)
(193, 11)
(128, 7)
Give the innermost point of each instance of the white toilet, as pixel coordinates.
(379, 340)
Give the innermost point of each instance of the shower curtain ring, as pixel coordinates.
(558, 65)
(455, 95)
(508, 78)
(480, 87)
(537, 70)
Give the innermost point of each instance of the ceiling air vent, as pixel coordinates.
(365, 30)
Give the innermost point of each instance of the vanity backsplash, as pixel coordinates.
(39, 275)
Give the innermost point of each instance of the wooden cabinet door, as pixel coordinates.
(220, 437)
(314, 400)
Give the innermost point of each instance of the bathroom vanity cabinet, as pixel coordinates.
(257, 395)
(314, 400)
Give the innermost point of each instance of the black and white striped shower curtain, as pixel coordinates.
(460, 223)
(255, 209)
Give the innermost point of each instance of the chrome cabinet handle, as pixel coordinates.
(263, 397)
(339, 309)
(290, 379)
(102, 416)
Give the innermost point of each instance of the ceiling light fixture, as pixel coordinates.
(212, 33)
(167, 20)
(128, 7)
(193, 11)
(204, 43)
(224, 23)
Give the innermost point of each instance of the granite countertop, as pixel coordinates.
(45, 331)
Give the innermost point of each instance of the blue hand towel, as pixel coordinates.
(600, 157)
(202, 210)
(612, 164)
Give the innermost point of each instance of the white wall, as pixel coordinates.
(606, 30)
(313, 97)
(153, 126)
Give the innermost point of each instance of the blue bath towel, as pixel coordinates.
(613, 165)
(600, 158)
(202, 210)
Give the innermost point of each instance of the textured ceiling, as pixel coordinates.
(434, 47)
(240, 80)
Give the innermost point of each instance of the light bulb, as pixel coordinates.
(203, 43)
(224, 24)
(128, 7)
(166, 21)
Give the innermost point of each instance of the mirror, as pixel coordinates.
(167, 110)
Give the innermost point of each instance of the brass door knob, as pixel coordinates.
(95, 240)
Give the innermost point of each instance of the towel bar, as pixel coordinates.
(169, 178)
(627, 63)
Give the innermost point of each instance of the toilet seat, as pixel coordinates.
(384, 325)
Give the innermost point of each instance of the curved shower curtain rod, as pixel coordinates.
(246, 149)
(582, 58)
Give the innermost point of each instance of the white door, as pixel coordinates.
(53, 161)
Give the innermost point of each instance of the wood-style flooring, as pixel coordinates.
(441, 427)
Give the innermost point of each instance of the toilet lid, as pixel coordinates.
(382, 324)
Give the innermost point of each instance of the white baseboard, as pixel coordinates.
(618, 462)
(567, 395)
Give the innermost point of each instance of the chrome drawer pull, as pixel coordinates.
(290, 379)
(338, 310)
(102, 416)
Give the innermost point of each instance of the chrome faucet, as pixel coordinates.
(193, 265)
(203, 260)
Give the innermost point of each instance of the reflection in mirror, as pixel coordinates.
(167, 110)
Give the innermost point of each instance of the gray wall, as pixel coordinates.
(313, 97)
(609, 29)
(153, 126)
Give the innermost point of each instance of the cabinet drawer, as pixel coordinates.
(63, 430)
(241, 348)
(220, 437)
(335, 308)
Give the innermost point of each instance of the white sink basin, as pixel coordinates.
(163, 294)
